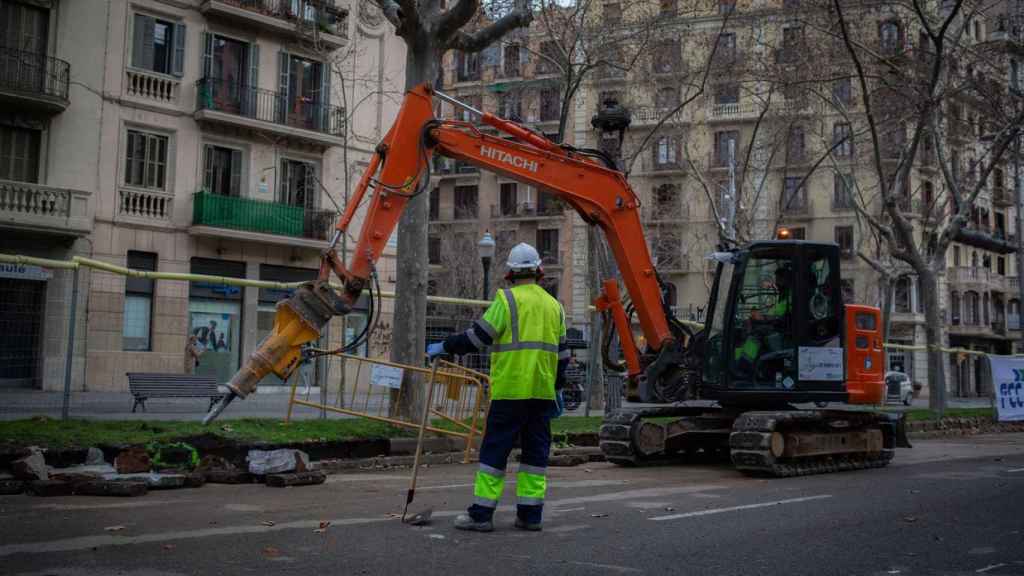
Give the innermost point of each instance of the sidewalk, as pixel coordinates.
(267, 403)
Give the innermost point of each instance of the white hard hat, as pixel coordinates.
(523, 257)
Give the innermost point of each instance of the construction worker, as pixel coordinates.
(746, 354)
(525, 330)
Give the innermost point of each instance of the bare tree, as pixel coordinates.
(429, 31)
(912, 113)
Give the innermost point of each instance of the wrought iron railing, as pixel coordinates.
(319, 13)
(307, 113)
(260, 216)
(33, 73)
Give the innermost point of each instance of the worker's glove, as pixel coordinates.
(435, 349)
(558, 407)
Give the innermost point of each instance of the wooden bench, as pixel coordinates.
(144, 386)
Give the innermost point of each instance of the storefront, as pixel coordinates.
(22, 304)
(215, 318)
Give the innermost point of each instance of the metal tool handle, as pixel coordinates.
(423, 428)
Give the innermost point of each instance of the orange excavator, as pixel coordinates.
(778, 333)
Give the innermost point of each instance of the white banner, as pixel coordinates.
(386, 376)
(1008, 386)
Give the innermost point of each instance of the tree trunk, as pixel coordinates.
(934, 338)
(408, 339)
(885, 285)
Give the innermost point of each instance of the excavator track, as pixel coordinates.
(627, 440)
(804, 442)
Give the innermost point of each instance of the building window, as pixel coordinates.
(972, 305)
(146, 160)
(1001, 265)
(158, 45)
(727, 93)
(138, 303)
(726, 6)
(1014, 74)
(466, 203)
(844, 238)
(954, 308)
(467, 66)
(795, 144)
(511, 106)
(19, 154)
(549, 105)
(298, 184)
(229, 71)
(842, 192)
(956, 256)
(513, 56)
(725, 51)
(794, 196)
(434, 250)
(509, 198)
(901, 301)
(846, 288)
(215, 316)
(665, 57)
(668, 251)
(223, 170)
(666, 152)
(666, 200)
(435, 204)
(791, 40)
(547, 245)
(724, 141)
(890, 36)
(985, 318)
(842, 92)
(612, 12)
(842, 140)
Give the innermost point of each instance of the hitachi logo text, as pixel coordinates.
(502, 156)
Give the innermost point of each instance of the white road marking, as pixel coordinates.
(333, 478)
(1016, 470)
(563, 510)
(612, 567)
(71, 507)
(711, 511)
(567, 528)
(989, 567)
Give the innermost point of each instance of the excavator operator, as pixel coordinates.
(776, 316)
(525, 330)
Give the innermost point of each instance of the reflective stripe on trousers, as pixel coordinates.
(531, 485)
(489, 484)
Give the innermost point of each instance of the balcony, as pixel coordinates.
(264, 111)
(968, 278)
(259, 221)
(651, 115)
(527, 211)
(60, 211)
(146, 207)
(732, 111)
(152, 87)
(32, 81)
(319, 21)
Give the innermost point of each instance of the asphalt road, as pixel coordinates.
(945, 507)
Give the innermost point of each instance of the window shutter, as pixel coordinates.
(148, 49)
(524, 55)
(178, 61)
(309, 186)
(207, 63)
(208, 173)
(236, 173)
(284, 181)
(142, 41)
(325, 98)
(252, 80)
(283, 75)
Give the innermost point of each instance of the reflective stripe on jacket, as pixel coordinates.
(526, 325)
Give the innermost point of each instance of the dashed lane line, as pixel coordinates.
(712, 511)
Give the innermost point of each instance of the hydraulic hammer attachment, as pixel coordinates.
(299, 320)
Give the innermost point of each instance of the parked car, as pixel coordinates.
(898, 388)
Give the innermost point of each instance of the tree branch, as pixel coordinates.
(392, 12)
(483, 38)
(451, 21)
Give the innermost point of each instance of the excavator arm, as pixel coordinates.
(399, 170)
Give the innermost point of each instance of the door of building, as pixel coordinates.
(21, 321)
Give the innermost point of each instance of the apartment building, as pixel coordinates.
(515, 79)
(197, 136)
(775, 141)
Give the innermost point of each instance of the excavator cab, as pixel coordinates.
(775, 331)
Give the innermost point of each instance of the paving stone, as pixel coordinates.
(295, 479)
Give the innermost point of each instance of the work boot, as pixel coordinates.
(466, 522)
(528, 526)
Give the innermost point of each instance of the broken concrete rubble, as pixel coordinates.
(31, 467)
(133, 460)
(262, 462)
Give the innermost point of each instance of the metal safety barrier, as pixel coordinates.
(460, 395)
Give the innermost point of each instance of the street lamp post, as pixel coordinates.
(485, 247)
